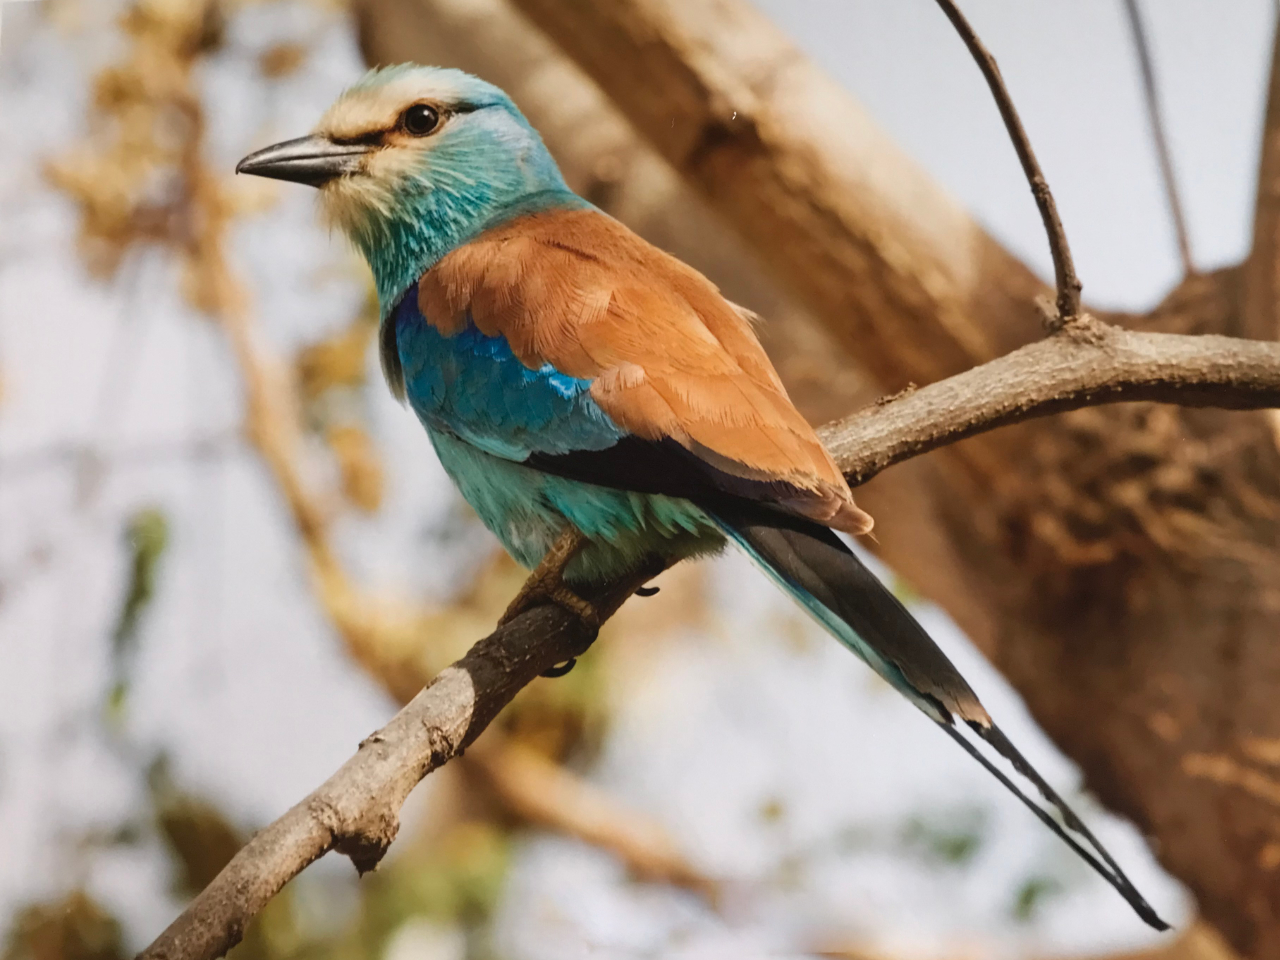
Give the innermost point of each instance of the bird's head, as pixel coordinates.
(412, 161)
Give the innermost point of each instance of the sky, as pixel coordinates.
(1071, 72)
(242, 680)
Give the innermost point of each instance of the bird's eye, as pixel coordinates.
(420, 119)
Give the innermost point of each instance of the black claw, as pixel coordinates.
(646, 591)
(561, 669)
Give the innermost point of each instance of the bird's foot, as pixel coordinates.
(540, 591)
(546, 585)
(536, 593)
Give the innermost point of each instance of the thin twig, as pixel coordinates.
(1064, 269)
(356, 810)
(1261, 306)
(1142, 46)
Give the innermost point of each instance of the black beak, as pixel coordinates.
(311, 160)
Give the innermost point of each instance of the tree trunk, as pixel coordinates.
(1120, 565)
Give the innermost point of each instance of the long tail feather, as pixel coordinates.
(1108, 869)
(825, 577)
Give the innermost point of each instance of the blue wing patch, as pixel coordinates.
(474, 387)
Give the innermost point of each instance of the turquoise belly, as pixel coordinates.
(527, 510)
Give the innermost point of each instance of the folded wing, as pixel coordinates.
(670, 361)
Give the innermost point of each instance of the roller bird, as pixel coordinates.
(598, 402)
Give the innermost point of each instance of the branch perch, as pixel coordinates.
(356, 811)
(1088, 364)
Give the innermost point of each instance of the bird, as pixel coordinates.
(597, 401)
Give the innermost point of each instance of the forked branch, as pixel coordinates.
(1091, 364)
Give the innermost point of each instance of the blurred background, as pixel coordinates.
(226, 554)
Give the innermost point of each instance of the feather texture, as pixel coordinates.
(666, 355)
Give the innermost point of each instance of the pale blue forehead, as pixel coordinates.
(445, 83)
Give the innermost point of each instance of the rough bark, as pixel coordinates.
(1120, 566)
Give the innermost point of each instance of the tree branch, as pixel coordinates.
(356, 811)
(1064, 269)
(1086, 365)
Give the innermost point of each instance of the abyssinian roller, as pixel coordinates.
(583, 388)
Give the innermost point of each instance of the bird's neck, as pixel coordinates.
(401, 247)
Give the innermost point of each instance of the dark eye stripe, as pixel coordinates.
(373, 138)
(376, 138)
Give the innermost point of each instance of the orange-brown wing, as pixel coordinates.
(669, 358)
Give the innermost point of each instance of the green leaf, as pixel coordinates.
(146, 536)
(1031, 896)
